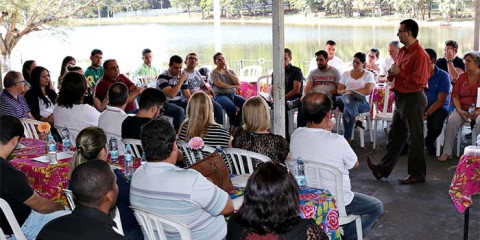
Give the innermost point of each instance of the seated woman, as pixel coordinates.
(270, 209)
(254, 135)
(68, 60)
(41, 98)
(70, 111)
(464, 96)
(200, 123)
(360, 81)
(91, 143)
(225, 84)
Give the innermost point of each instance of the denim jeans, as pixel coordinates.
(35, 222)
(350, 108)
(369, 209)
(175, 110)
(232, 104)
(217, 112)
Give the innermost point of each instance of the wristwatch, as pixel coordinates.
(450, 60)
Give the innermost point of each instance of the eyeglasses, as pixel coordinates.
(20, 82)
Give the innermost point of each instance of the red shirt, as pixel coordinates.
(414, 64)
(104, 84)
(466, 93)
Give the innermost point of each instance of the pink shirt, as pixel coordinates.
(466, 93)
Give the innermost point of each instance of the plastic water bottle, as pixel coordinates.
(300, 172)
(65, 139)
(52, 150)
(113, 147)
(128, 161)
(472, 108)
(144, 158)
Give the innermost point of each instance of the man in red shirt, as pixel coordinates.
(112, 75)
(409, 74)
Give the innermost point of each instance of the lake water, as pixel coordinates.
(239, 42)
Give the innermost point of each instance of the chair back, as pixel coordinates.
(267, 81)
(250, 73)
(30, 127)
(243, 160)
(153, 225)
(69, 195)
(136, 146)
(12, 221)
(191, 156)
(386, 98)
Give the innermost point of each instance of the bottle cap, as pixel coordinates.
(50, 137)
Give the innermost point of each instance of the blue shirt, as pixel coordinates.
(11, 106)
(439, 82)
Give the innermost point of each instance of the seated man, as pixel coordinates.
(112, 75)
(393, 48)
(15, 189)
(181, 194)
(94, 186)
(317, 140)
(12, 103)
(150, 106)
(112, 118)
(146, 69)
(173, 82)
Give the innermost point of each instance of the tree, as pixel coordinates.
(21, 17)
(187, 4)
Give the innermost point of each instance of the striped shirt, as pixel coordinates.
(183, 195)
(216, 136)
(11, 106)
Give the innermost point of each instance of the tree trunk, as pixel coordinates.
(188, 11)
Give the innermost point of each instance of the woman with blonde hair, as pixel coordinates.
(200, 123)
(91, 145)
(254, 135)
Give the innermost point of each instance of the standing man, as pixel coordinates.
(334, 61)
(95, 71)
(451, 63)
(324, 78)
(410, 74)
(111, 76)
(173, 82)
(438, 102)
(393, 48)
(146, 69)
(195, 83)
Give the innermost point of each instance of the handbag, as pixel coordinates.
(214, 167)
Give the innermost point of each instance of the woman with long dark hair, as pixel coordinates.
(68, 60)
(41, 98)
(270, 208)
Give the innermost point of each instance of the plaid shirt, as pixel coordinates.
(16, 107)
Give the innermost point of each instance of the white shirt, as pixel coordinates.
(386, 65)
(75, 119)
(323, 146)
(353, 84)
(111, 121)
(44, 110)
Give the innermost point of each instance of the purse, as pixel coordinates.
(214, 167)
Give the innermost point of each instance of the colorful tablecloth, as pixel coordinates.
(378, 98)
(465, 182)
(248, 90)
(318, 204)
(46, 179)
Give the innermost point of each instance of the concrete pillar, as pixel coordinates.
(278, 68)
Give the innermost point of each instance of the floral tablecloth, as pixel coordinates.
(465, 182)
(46, 179)
(318, 204)
(378, 98)
(248, 90)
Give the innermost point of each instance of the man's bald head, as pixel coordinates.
(316, 106)
(11, 78)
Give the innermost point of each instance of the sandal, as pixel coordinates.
(444, 158)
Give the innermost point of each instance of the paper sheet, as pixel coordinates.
(60, 156)
(240, 180)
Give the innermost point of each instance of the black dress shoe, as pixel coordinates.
(376, 173)
(410, 180)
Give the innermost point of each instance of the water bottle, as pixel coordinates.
(128, 161)
(144, 158)
(470, 111)
(300, 172)
(52, 150)
(65, 139)
(113, 147)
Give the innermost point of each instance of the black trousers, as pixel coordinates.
(407, 125)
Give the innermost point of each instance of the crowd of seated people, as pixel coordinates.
(95, 105)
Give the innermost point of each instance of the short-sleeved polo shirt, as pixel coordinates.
(11, 106)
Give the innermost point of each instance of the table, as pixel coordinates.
(318, 204)
(46, 179)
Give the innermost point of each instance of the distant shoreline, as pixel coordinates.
(290, 20)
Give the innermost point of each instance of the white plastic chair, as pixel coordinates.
(292, 120)
(153, 225)
(241, 158)
(313, 172)
(30, 127)
(459, 137)
(193, 155)
(365, 117)
(12, 221)
(250, 73)
(384, 115)
(136, 146)
(267, 79)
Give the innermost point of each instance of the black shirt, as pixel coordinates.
(293, 74)
(82, 223)
(457, 62)
(131, 126)
(14, 189)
